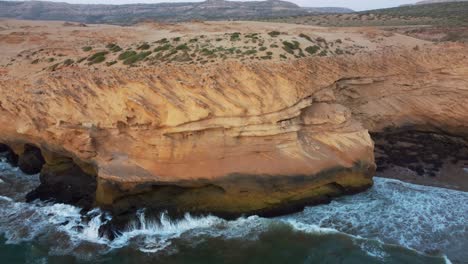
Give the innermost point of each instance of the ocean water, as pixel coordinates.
(393, 222)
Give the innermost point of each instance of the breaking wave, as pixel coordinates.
(392, 214)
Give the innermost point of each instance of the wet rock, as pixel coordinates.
(66, 182)
(3, 148)
(424, 153)
(31, 161)
(9, 155)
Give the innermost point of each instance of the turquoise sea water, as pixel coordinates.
(393, 222)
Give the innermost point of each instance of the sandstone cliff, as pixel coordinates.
(229, 138)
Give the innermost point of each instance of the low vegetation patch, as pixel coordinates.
(235, 36)
(163, 41)
(127, 54)
(182, 47)
(137, 57)
(113, 47)
(312, 49)
(144, 46)
(290, 47)
(110, 63)
(68, 62)
(274, 34)
(306, 37)
(97, 57)
(163, 48)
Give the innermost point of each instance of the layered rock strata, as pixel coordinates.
(230, 139)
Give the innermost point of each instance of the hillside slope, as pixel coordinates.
(132, 13)
(438, 1)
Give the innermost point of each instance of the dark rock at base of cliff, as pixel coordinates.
(31, 161)
(9, 155)
(66, 183)
(3, 148)
(422, 157)
(262, 195)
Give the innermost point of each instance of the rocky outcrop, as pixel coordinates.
(232, 138)
(30, 160)
(431, 158)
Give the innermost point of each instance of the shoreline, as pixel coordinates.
(426, 181)
(424, 158)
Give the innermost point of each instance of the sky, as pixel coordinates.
(357, 5)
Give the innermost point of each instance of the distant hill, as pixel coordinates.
(438, 1)
(132, 13)
(452, 13)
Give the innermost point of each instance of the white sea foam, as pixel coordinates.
(426, 219)
(392, 212)
(310, 228)
(156, 235)
(447, 260)
(4, 198)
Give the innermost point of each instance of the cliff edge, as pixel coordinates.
(231, 137)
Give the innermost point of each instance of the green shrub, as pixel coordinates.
(144, 46)
(250, 52)
(182, 47)
(290, 47)
(177, 39)
(235, 36)
(50, 59)
(320, 39)
(312, 49)
(87, 48)
(98, 54)
(68, 62)
(110, 63)
(193, 40)
(36, 61)
(339, 51)
(339, 41)
(127, 54)
(274, 34)
(162, 41)
(113, 47)
(97, 57)
(306, 37)
(207, 52)
(162, 48)
(170, 53)
(283, 56)
(252, 36)
(263, 48)
(273, 46)
(294, 45)
(137, 57)
(269, 53)
(97, 60)
(323, 53)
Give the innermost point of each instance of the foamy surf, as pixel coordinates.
(391, 215)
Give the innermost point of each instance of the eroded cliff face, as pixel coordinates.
(232, 138)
